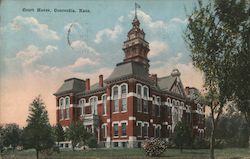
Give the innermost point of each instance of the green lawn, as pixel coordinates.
(232, 153)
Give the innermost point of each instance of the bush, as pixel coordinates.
(154, 146)
(91, 142)
(200, 143)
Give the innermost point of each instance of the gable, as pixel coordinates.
(177, 87)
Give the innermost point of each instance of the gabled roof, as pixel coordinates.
(72, 85)
(126, 69)
(166, 83)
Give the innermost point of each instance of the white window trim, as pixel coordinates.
(146, 123)
(82, 106)
(126, 85)
(63, 105)
(124, 111)
(105, 104)
(104, 126)
(147, 97)
(92, 110)
(67, 97)
(138, 84)
(141, 127)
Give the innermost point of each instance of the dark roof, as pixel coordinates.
(72, 85)
(126, 69)
(165, 83)
(96, 86)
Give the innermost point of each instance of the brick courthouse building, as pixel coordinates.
(131, 104)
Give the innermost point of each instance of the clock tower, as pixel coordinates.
(136, 48)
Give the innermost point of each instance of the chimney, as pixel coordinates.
(100, 81)
(87, 84)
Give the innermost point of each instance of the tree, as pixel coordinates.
(38, 133)
(77, 133)
(219, 40)
(235, 17)
(11, 136)
(182, 135)
(1, 138)
(59, 133)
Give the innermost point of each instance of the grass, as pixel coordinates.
(230, 153)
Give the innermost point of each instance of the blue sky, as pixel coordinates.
(36, 57)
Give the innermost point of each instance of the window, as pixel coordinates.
(153, 110)
(124, 130)
(168, 101)
(81, 105)
(104, 127)
(67, 103)
(138, 89)
(61, 104)
(124, 97)
(157, 131)
(139, 129)
(145, 129)
(158, 110)
(115, 129)
(145, 91)
(116, 101)
(145, 106)
(124, 90)
(93, 104)
(169, 111)
(124, 104)
(104, 104)
(139, 105)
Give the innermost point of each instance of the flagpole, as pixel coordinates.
(135, 11)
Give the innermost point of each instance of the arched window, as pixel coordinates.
(158, 107)
(139, 89)
(145, 92)
(93, 104)
(115, 97)
(104, 104)
(168, 101)
(61, 108)
(124, 91)
(81, 105)
(67, 105)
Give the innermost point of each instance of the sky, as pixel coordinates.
(39, 50)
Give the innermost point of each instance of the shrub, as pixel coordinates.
(91, 142)
(154, 146)
(200, 143)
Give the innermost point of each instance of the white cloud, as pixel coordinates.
(121, 19)
(82, 45)
(179, 20)
(32, 53)
(148, 20)
(81, 62)
(33, 25)
(73, 26)
(110, 34)
(157, 47)
(50, 49)
(29, 55)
